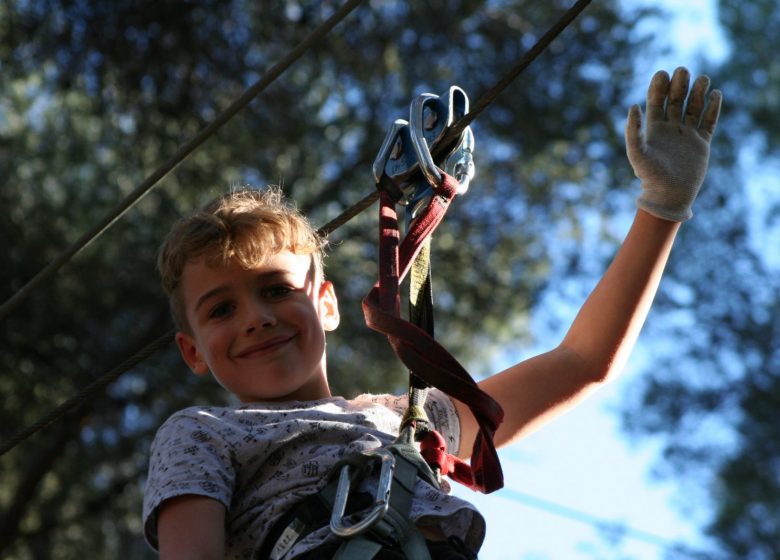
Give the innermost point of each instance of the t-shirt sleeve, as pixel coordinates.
(438, 406)
(444, 417)
(189, 455)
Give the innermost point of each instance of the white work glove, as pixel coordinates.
(670, 154)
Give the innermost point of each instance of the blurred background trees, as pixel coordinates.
(95, 95)
(713, 391)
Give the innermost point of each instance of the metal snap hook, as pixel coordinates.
(381, 500)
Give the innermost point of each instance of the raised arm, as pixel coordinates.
(670, 156)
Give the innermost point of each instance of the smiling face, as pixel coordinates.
(259, 330)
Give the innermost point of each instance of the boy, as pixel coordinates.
(245, 281)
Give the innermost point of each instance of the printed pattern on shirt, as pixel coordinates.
(258, 460)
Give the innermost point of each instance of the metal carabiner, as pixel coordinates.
(460, 162)
(418, 136)
(397, 162)
(406, 160)
(431, 116)
(381, 501)
(424, 130)
(392, 160)
(458, 105)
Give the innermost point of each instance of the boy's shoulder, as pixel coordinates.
(252, 413)
(241, 426)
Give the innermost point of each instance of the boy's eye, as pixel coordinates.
(221, 310)
(276, 292)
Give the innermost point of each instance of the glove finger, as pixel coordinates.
(634, 132)
(678, 90)
(711, 114)
(696, 101)
(656, 97)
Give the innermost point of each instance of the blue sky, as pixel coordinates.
(579, 475)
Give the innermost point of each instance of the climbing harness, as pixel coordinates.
(383, 518)
(405, 174)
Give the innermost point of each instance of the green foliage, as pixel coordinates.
(95, 95)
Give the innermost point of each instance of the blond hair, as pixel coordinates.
(245, 226)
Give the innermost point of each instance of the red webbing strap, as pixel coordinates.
(433, 448)
(420, 352)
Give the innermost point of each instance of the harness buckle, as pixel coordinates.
(381, 501)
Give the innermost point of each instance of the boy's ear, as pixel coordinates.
(328, 306)
(191, 354)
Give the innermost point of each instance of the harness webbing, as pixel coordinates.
(417, 349)
(433, 448)
(420, 314)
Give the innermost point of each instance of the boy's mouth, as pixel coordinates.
(264, 346)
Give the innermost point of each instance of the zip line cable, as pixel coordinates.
(181, 153)
(92, 389)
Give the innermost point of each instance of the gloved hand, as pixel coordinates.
(670, 154)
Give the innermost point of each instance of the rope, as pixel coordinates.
(181, 153)
(348, 214)
(88, 392)
(328, 228)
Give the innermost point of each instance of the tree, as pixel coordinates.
(94, 96)
(714, 396)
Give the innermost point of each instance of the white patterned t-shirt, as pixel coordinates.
(258, 460)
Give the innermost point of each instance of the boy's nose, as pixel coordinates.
(261, 316)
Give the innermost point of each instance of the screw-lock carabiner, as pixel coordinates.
(381, 501)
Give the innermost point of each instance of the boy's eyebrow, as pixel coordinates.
(226, 287)
(210, 294)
